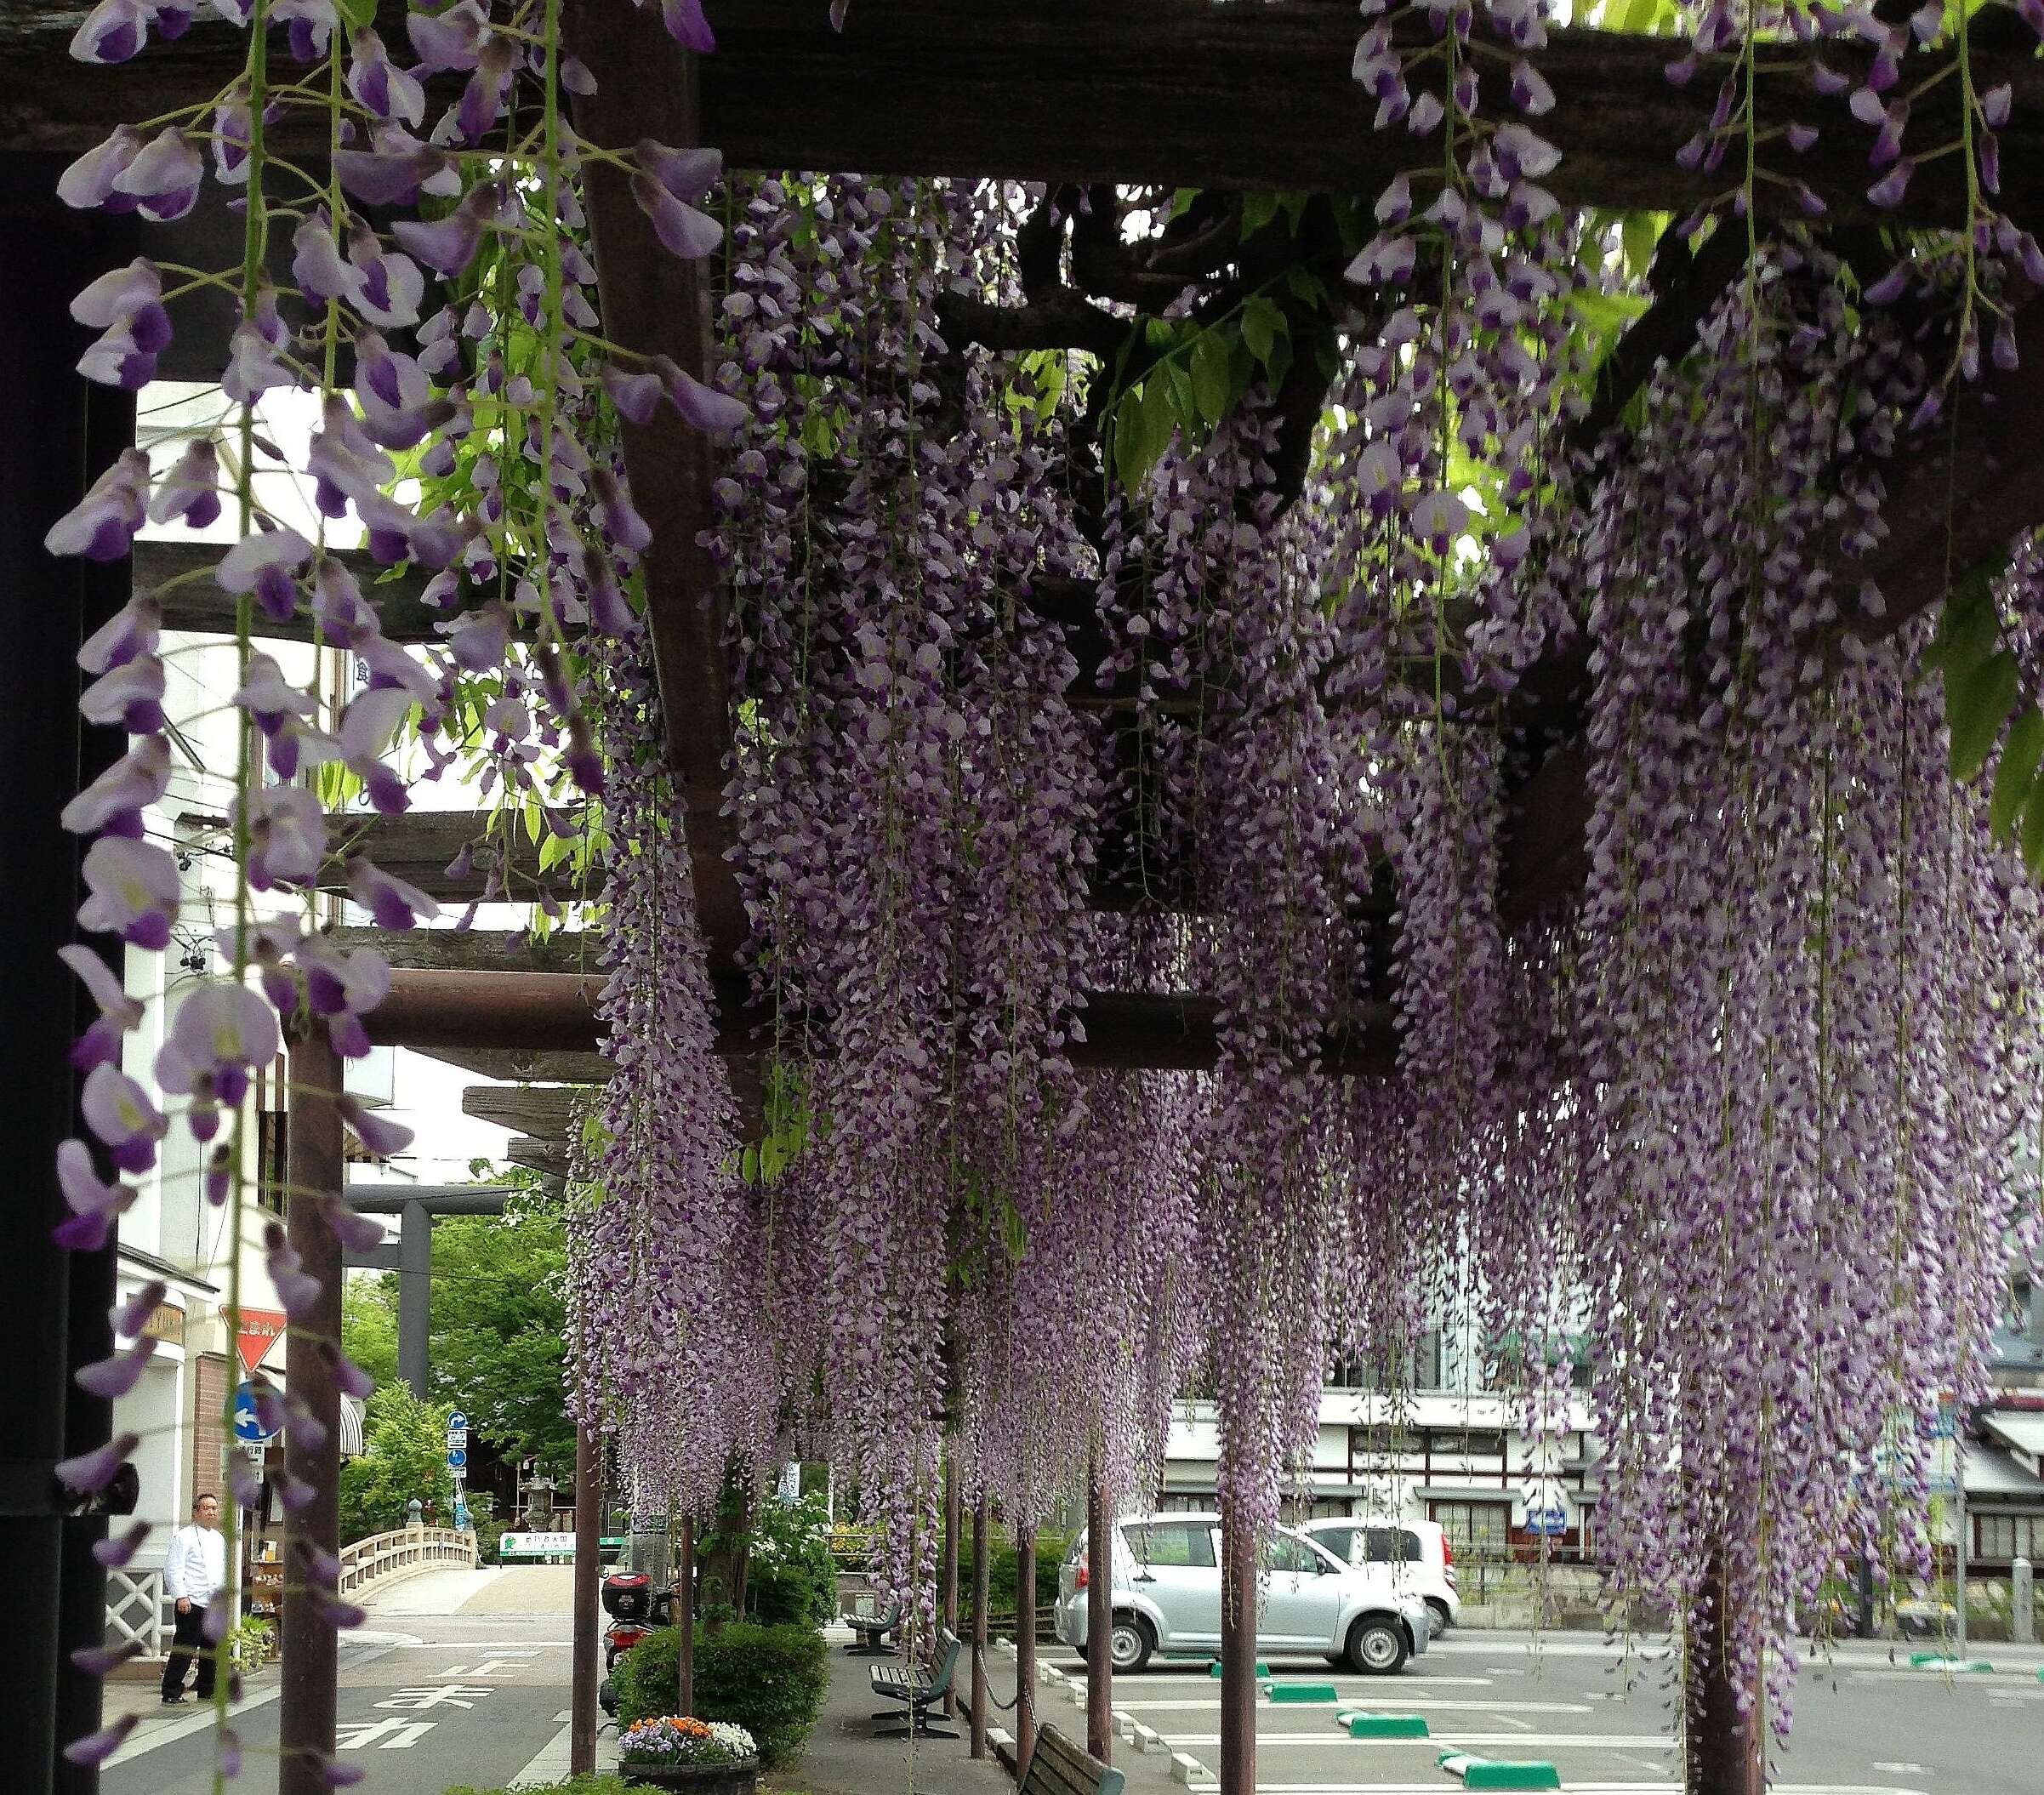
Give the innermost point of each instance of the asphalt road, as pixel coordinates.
(427, 1701)
(1862, 1726)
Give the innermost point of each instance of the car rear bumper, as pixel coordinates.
(1069, 1619)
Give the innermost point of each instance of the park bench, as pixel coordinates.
(916, 1692)
(871, 1630)
(1058, 1767)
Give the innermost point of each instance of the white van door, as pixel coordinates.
(1302, 1603)
(1177, 1576)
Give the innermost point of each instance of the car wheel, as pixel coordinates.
(1437, 1610)
(1131, 1643)
(1376, 1646)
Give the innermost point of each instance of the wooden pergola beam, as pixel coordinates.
(657, 305)
(557, 1012)
(1171, 92)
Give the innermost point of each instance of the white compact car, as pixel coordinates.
(1167, 1599)
(1416, 1552)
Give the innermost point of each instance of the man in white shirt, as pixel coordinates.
(193, 1572)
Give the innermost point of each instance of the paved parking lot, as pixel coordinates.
(1865, 1725)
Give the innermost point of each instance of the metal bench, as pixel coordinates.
(915, 1692)
(871, 1630)
(1058, 1767)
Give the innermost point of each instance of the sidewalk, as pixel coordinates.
(844, 1758)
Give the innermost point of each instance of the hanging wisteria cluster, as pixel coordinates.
(440, 315)
(1034, 733)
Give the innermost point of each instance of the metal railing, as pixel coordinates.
(384, 1556)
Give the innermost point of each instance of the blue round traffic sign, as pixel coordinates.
(247, 1424)
(457, 1456)
(457, 1422)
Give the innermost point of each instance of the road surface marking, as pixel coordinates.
(389, 1735)
(437, 1695)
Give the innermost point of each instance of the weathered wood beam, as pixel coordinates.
(553, 1011)
(1685, 285)
(576, 951)
(1973, 483)
(548, 1112)
(550, 1157)
(512, 1066)
(1175, 93)
(420, 846)
(657, 305)
(196, 602)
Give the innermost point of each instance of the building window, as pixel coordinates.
(1477, 1529)
(1468, 1442)
(1381, 1440)
(2010, 1535)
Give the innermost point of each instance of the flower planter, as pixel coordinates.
(697, 1779)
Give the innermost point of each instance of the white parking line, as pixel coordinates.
(1549, 1741)
(1388, 1698)
(1344, 1678)
(1438, 1788)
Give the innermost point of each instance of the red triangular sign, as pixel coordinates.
(260, 1330)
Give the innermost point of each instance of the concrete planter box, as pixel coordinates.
(696, 1779)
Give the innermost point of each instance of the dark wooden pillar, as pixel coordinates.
(1722, 1753)
(980, 1521)
(305, 1710)
(1025, 1649)
(1100, 1623)
(588, 1533)
(948, 1580)
(65, 434)
(1237, 1656)
(684, 1615)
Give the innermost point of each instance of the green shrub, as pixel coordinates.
(769, 1680)
(1050, 1549)
(791, 1576)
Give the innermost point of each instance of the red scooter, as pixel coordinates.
(635, 1609)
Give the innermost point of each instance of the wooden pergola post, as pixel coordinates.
(979, 1519)
(683, 1613)
(1025, 1649)
(589, 1544)
(948, 1583)
(1721, 1744)
(1100, 1619)
(315, 1159)
(1238, 1654)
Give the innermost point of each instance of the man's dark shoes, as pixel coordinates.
(173, 1701)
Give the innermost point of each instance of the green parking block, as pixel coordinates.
(1300, 1692)
(1501, 1775)
(1487, 1773)
(1263, 1669)
(1944, 1661)
(1388, 1726)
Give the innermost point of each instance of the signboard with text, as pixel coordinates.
(256, 1332)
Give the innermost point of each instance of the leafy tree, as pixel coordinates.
(499, 1325)
(369, 1327)
(791, 1575)
(405, 1457)
(497, 1322)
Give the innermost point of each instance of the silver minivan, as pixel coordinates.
(1167, 1599)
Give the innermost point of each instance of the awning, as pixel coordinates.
(350, 1427)
(2022, 1428)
